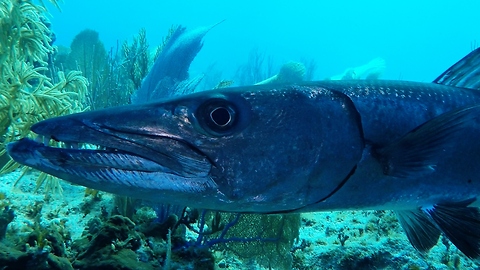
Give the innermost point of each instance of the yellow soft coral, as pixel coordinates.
(27, 93)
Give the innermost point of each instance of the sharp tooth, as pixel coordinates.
(69, 145)
(42, 139)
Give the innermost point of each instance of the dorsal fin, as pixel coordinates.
(465, 73)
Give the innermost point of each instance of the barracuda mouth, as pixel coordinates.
(110, 159)
(32, 152)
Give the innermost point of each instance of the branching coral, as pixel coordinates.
(137, 62)
(112, 76)
(269, 237)
(266, 239)
(88, 55)
(258, 68)
(27, 95)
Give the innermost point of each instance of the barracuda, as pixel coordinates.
(331, 145)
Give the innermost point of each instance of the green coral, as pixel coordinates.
(137, 60)
(88, 55)
(113, 76)
(27, 94)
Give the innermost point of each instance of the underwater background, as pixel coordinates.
(418, 39)
(84, 48)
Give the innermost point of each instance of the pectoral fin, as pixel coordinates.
(417, 152)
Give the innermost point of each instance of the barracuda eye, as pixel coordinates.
(221, 116)
(217, 116)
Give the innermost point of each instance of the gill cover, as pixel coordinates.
(276, 148)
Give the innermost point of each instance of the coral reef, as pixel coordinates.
(138, 57)
(311, 68)
(111, 245)
(370, 71)
(27, 95)
(291, 72)
(265, 239)
(34, 246)
(108, 84)
(60, 234)
(257, 68)
(88, 55)
(6, 216)
(115, 75)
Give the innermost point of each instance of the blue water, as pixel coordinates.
(418, 39)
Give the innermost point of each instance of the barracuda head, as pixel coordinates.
(254, 149)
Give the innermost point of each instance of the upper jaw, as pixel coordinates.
(112, 139)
